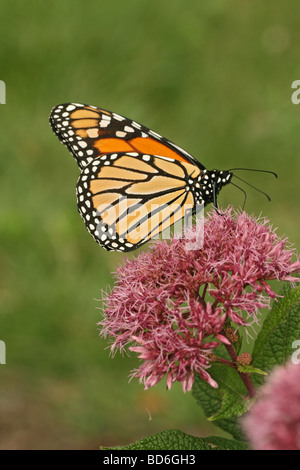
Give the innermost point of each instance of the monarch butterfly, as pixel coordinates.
(134, 183)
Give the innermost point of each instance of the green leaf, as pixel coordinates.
(249, 369)
(174, 439)
(231, 390)
(230, 406)
(274, 343)
(225, 404)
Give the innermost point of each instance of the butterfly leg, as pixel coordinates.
(215, 203)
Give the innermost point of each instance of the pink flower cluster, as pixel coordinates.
(273, 423)
(172, 302)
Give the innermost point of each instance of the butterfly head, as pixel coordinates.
(212, 182)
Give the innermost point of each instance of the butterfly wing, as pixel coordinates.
(90, 132)
(125, 199)
(134, 183)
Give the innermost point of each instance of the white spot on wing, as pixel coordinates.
(120, 134)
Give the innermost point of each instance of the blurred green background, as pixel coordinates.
(213, 76)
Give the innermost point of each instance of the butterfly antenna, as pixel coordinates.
(253, 169)
(243, 191)
(251, 185)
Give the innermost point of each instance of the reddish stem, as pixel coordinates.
(246, 378)
(225, 361)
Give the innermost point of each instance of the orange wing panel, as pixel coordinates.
(112, 145)
(84, 114)
(152, 147)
